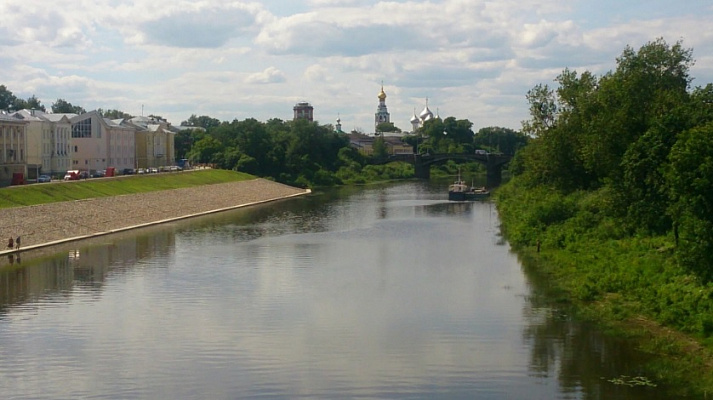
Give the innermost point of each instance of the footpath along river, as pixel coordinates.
(382, 292)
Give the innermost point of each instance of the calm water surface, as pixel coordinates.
(376, 293)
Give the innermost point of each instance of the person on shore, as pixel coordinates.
(10, 243)
(17, 243)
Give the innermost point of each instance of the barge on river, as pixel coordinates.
(460, 191)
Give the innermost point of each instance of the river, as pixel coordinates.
(384, 292)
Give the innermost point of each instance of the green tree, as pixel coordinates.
(692, 192)
(114, 114)
(543, 110)
(32, 103)
(379, 147)
(203, 121)
(460, 133)
(497, 139)
(7, 99)
(62, 106)
(206, 150)
(184, 140)
(387, 127)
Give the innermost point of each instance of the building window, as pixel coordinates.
(82, 129)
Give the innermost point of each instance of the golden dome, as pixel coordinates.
(382, 94)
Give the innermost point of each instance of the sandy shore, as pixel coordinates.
(57, 222)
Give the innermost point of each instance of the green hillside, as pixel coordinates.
(41, 193)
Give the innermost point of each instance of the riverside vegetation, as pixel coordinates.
(612, 201)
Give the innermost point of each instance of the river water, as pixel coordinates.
(373, 293)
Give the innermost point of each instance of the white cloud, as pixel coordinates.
(269, 75)
(476, 59)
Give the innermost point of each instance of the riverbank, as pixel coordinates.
(53, 223)
(631, 285)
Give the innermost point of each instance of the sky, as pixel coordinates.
(468, 59)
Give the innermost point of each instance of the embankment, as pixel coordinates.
(54, 223)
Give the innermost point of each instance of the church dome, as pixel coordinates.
(382, 94)
(414, 119)
(426, 114)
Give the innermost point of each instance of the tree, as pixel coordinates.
(203, 121)
(543, 110)
(206, 150)
(114, 114)
(61, 106)
(184, 140)
(387, 127)
(692, 193)
(498, 139)
(379, 147)
(7, 99)
(32, 103)
(587, 127)
(459, 131)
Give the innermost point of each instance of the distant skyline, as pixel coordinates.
(472, 59)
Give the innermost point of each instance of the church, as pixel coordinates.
(382, 114)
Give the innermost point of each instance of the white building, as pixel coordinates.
(48, 142)
(60, 142)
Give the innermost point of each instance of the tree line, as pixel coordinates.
(8, 101)
(300, 152)
(639, 136)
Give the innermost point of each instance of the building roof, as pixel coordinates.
(4, 117)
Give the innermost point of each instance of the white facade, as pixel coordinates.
(48, 137)
(121, 142)
(60, 143)
(37, 141)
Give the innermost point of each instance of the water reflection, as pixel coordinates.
(586, 362)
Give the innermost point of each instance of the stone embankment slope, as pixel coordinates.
(55, 223)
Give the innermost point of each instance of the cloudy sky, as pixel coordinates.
(472, 59)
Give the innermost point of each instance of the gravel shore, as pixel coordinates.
(55, 222)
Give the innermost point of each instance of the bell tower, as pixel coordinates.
(382, 114)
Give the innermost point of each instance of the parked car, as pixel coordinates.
(99, 174)
(141, 171)
(44, 178)
(127, 171)
(84, 175)
(153, 170)
(72, 175)
(482, 152)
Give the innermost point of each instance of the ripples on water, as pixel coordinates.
(383, 293)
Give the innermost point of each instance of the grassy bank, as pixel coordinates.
(42, 193)
(630, 285)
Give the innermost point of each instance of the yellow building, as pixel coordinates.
(155, 143)
(13, 149)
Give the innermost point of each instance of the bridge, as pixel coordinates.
(422, 163)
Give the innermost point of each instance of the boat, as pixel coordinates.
(461, 191)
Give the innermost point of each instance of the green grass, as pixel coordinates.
(41, 193)
(627, 284)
